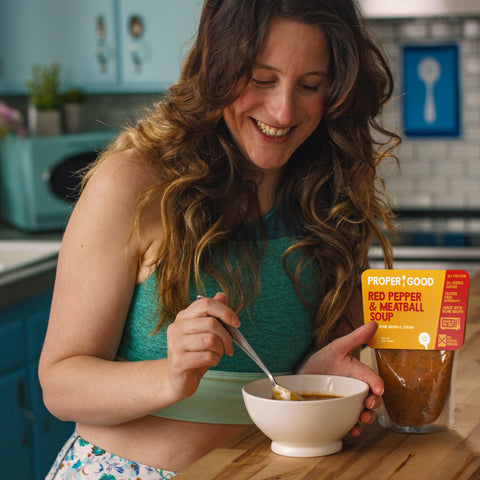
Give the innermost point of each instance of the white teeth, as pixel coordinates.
(272, 131)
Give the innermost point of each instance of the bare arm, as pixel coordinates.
(99, 265)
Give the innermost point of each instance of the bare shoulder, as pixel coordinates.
(104, 217)
(126, 174)
(119, 182)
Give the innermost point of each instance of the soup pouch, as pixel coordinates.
(421, 323)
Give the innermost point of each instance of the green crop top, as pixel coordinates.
(278, 325)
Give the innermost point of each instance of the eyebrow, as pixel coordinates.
(319, 73)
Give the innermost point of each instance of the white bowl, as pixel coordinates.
(311, 428)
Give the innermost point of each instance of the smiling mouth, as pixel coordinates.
(270, 131)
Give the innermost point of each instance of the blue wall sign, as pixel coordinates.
(431, 91)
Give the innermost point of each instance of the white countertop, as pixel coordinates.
(24, 258)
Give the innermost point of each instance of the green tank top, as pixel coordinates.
(277, 324)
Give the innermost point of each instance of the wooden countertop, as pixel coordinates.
(378, 453)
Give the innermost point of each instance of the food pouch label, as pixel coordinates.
(416, 309)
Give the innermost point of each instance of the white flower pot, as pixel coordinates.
(44, 122)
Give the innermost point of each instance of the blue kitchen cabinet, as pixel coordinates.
(30, 437)
(87, 43)
(155, 36)
(16, 427)
(48, 31)
(94, 44)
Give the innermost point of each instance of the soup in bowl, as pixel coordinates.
(310, 428)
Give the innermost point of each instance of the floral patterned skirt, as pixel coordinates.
(80, 460)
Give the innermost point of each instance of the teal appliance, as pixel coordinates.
(39, 177)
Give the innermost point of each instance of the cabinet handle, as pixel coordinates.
(136, 29)
(26, 412)
(100, 46)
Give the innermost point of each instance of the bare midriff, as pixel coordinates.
(159, 442)
(417, 384)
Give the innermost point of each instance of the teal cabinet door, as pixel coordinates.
(49, 434)
(30, 437)
(87, 45)
(26, 38)
(16, 427)
(79, 36)
(101, 45)
(155, 37)
(16, 420)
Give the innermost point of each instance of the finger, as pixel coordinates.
(207, 342)
(368, 417)
(373, 402)
(356, 431)
(365, 373)
(206, 333)
(221, 297)
(217, 308)
(356, 339)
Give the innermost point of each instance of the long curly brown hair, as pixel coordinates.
(329, 190)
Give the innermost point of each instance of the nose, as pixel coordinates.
(281, 106)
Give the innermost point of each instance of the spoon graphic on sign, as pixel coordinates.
(424, 339)
(429, 71)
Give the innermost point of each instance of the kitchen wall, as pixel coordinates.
(441, 173)
(437, 173)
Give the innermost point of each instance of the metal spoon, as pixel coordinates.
(278, 392)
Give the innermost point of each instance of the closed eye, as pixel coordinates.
(262, 83)
(313, 88)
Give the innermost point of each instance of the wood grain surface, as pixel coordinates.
(378, 453)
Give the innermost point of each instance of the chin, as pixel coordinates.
(265, 163)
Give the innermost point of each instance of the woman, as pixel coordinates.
(253, 177)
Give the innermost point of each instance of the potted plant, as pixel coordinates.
(73, 101)
(44, 116)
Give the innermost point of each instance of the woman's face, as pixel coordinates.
(284, 101)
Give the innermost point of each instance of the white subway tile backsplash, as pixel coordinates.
(471, 133)
(444, 167)
(414, 30)
(454, 225)
(455, 200)
(441, 173)
(416, 200)
(471, 29)
(473, 225)
(419, 169)
(434, 149)
(471, 117)
(472, 168)
(470, 187)
(465, 150)
(473, 202)
(442, 30)
(432, 185)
